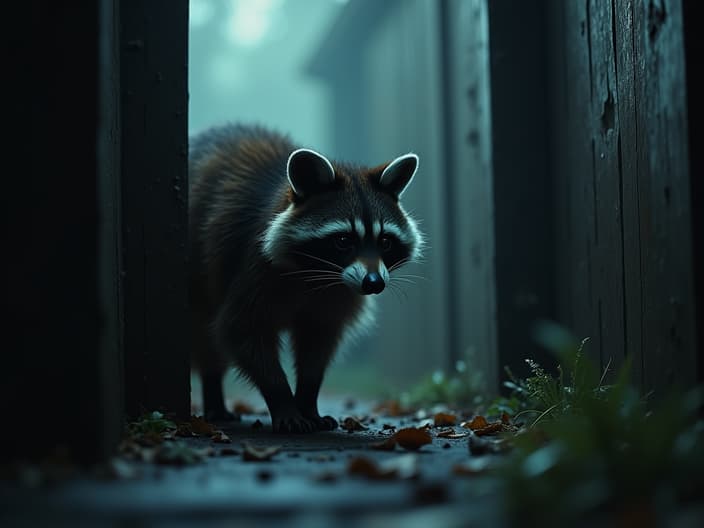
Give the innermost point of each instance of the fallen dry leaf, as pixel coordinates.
(478, 422)
(492, 428)
(450, 433)
(412, 438)
(258, 454)
(505, 418)
(443, 419)
(200, 427)
(350, 424)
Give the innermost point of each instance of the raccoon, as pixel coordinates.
(284, 240)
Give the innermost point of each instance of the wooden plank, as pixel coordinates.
(607, 249)
(628, 168)
(668, 316)
(154, 177)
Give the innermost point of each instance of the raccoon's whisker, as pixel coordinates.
(324, 286)
(394, 290)
(398, 291)
(399, 264)
(403, 279)
(321, 278)
(319, 259)
(410, 276)
(298, 272)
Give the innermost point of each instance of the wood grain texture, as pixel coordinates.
(620, 164)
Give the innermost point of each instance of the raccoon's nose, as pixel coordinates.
(372, 283)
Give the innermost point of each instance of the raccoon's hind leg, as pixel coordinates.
(313, 346)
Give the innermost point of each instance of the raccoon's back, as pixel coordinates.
(237, 178)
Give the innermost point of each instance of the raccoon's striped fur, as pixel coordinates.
(284, 240)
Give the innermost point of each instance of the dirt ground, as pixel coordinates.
(307, 483)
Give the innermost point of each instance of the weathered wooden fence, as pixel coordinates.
(622, 184)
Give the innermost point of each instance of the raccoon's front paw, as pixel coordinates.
(292, 423)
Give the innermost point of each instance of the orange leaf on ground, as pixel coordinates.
(411, 438)
(477, 422)
(442, 419)
(200, 427)
(258, 454)
(492, 428)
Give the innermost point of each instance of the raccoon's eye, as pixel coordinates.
(343, 242)
(386, 243)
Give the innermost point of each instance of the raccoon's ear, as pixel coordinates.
(308, 172)
(399, 173)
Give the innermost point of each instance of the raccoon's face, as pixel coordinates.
(343, 224)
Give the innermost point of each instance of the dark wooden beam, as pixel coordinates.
(626, 195)
(154, 205)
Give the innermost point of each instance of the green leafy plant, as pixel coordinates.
(153, 423)
(601, 450)
(546, 396)
(462, 386)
